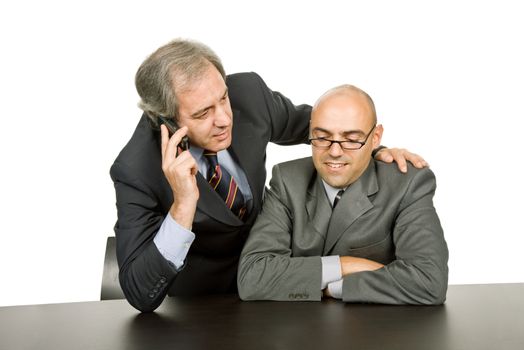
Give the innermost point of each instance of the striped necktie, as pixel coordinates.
(225, 185)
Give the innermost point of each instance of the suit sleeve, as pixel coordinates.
(289, 123)
(419, 274)
(266, 269)
(285, 123)
(145, 275)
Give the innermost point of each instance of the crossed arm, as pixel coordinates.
(272, 267)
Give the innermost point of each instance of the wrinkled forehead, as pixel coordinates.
(202, 92)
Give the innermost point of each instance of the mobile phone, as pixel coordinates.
(172, 126)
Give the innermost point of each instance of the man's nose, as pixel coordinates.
(222, 117)
(335, 150)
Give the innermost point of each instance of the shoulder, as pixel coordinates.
(141, 154)
(242, 79)
(290, 180)
(391, 171)
(390, 177)
(246, 88)
(295, 173)
(301, 166)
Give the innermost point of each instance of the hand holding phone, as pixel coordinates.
(172, 126)
(180, 170)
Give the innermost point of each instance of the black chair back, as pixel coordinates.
(110, 284)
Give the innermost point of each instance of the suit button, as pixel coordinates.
(151, 295)
(158, 285)
(154, 290)
(163, 280)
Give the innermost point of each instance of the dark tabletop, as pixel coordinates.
(474, 317)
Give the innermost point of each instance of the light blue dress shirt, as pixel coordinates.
(172, 240)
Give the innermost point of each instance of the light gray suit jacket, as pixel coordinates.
(385, 216)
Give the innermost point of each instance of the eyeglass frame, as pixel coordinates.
(340, 143)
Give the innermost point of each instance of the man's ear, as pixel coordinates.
(377, 135)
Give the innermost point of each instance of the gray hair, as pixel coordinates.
(173, 67)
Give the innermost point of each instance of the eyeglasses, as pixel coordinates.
(323, 143)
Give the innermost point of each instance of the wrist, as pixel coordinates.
(183, 213)
(352, 264)
(346, 265)
(334, 289)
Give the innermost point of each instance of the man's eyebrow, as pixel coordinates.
(345, 133)
(321, 130)
(202, 110)
(354, 132)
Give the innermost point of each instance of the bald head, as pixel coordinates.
(351, 93)
(344, 133)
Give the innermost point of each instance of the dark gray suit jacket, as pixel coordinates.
(143, 199)
(384, 216)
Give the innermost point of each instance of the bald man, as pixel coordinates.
(341, 224)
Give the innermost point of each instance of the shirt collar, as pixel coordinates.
(331, 191)
(196, 152)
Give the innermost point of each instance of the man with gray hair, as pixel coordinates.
(184, 215)
(344, 225)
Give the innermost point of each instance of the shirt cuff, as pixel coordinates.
(331, 270)
(335, 289)
(173, 241)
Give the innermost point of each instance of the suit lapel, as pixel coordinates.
(209, 201)
(353, 204)
(212, 204)
(318, 207)
(243, 154)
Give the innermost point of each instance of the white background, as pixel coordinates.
(446, 78)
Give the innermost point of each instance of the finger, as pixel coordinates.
(401, 161)
(185, 163)
(387, 157)
(384, 155)
(416, 160)
(173, 142)
(179, 150)
(183, 172)
(421, 163)
(164, 133)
